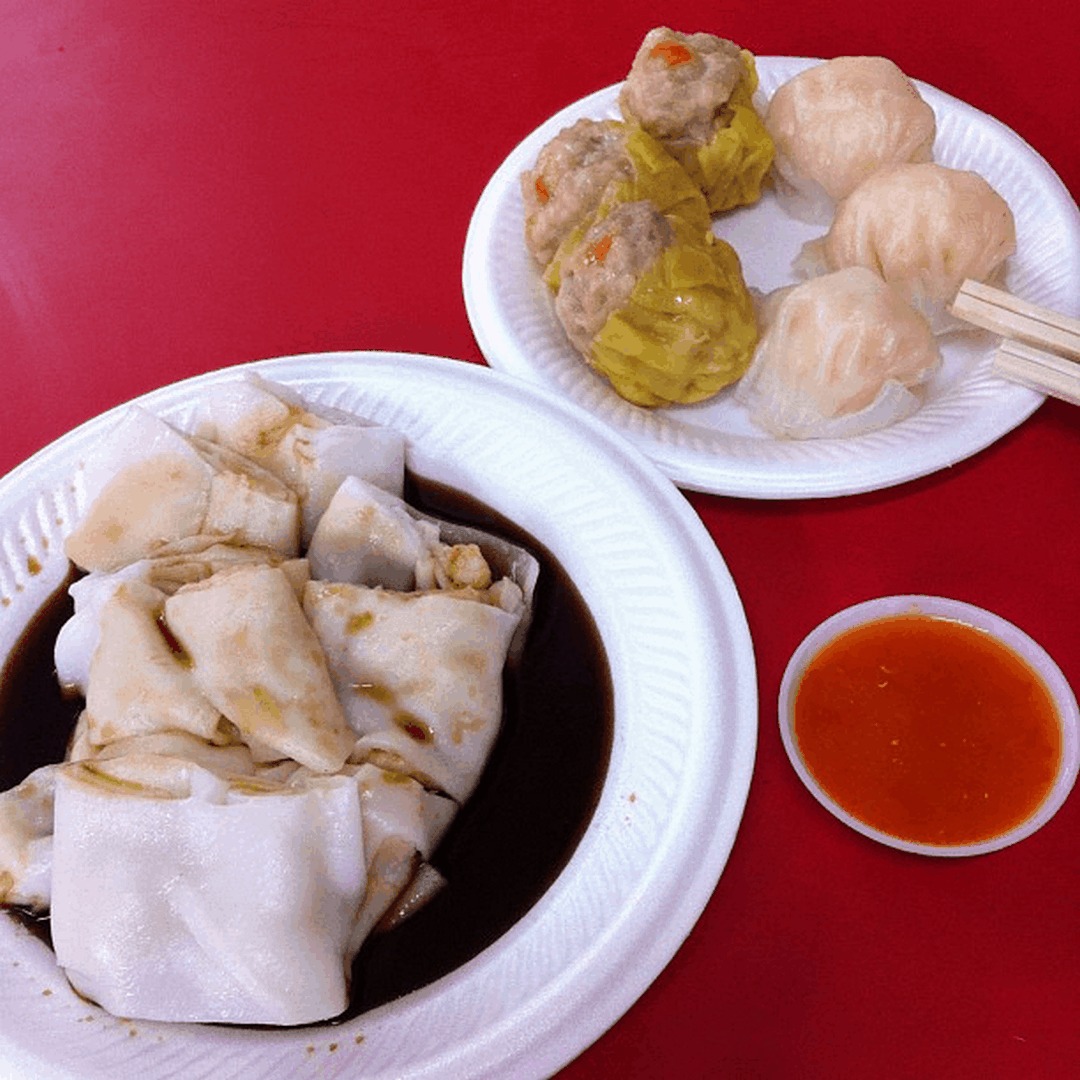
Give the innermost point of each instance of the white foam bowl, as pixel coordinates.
(937, 607)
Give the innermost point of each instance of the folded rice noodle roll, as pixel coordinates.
(837, 123)
(310, 451)
(418, 675)
(694, 94)
(149, 485)
(180, 896)
(256, 659)
(26, 828)
(657, 308)
(370, 537)
(181, 563)
(403, 824)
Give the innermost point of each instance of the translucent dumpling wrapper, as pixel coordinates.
(26, 828)
(694, 93)
(312, 451)
(657, 308)
(148, 485)
(419, 676)
(652, 175)
(837, 123)
(925, 228)
(841, 355)
(177, 896)
(256, 659)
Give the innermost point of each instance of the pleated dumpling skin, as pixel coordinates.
(925, 228)
(838, 122)
(841, 355)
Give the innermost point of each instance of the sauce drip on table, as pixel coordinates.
(929, 730)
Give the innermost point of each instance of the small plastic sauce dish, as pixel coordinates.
(930, 725)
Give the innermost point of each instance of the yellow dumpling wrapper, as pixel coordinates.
(688, 330)
(658, 178)
(732, 166)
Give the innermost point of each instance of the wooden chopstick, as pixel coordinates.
(1008, 315)
(1038, 370)
(1041, 348)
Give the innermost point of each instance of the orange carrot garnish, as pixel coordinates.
(542, 192)
(673, 52)
(598, 252)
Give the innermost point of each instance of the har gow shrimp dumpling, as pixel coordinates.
(837, 123)
(841, 355)
(924, 228)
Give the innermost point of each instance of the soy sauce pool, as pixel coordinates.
(509, 841)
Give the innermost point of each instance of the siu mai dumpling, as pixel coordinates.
(591, 167)
(694, 94)
(419, 676)
(312, 452)
(841, 355)
(149, 485)
(837, 123)
(656, 308)
(925, 228)
(256, 659)
(179, 896)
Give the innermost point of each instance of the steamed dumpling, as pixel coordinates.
(841, 355)
(591, 167)
(571, 175)
(693, 92)
(837, 123)
(658, 309)
(924, 228)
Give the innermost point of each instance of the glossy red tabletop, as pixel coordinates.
(190, 185)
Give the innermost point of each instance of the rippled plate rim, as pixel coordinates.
(685, 715)
(499, 285)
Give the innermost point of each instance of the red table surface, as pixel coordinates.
(195, 184)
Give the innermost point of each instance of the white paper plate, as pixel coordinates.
(685, 728)
(713, 446)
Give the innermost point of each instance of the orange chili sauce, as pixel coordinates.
(928, 729)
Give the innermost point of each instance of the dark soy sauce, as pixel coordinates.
(510, 840)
